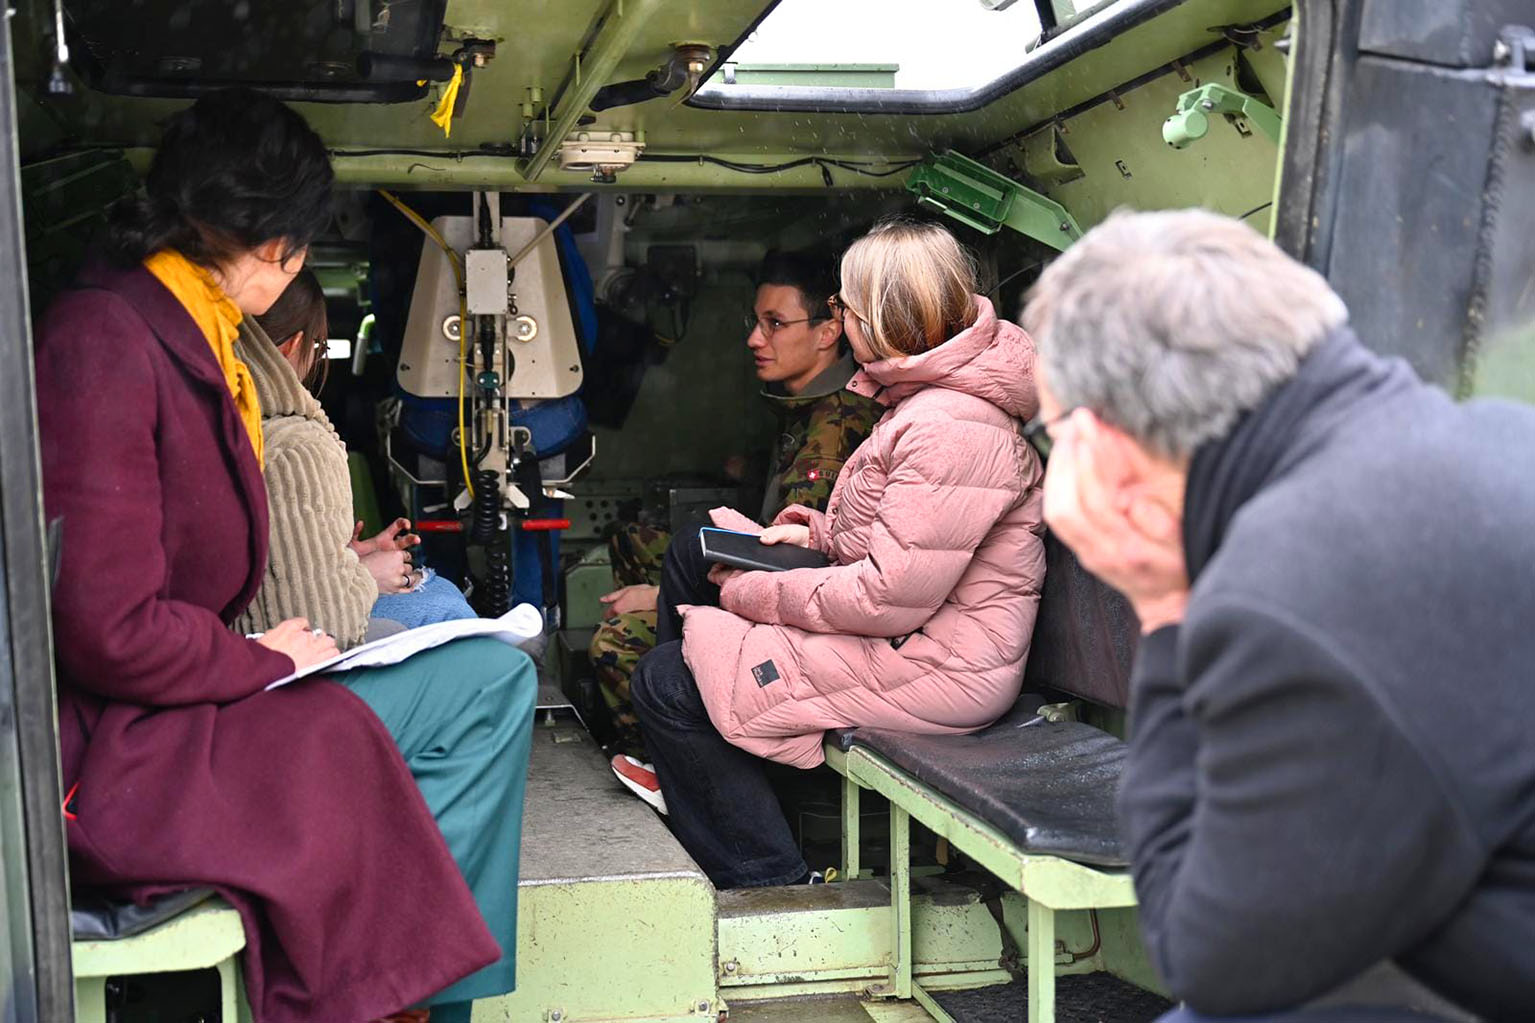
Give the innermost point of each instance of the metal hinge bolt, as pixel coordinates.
(1515, 47)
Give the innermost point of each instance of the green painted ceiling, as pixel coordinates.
(536, 41)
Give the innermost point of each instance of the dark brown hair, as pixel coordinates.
(301, 307)
(234, 170)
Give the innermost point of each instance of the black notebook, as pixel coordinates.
(744, 550)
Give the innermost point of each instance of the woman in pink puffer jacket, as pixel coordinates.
(922, 622)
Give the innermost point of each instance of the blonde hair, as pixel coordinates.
(912, 284)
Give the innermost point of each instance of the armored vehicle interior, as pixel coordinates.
(549, 217)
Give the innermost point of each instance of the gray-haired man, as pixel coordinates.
(1334, 567)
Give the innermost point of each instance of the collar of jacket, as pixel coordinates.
(1336, 381)
(829, 381)
(991, 359)
(180, 335)
(165, 315)
(282, 394)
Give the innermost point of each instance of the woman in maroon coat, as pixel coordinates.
(296, 803)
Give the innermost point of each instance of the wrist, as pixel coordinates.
(1161, 611)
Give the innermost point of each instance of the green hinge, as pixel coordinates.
(1191, 121)
(979, 197)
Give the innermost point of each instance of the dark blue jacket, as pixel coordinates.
(1333, 757)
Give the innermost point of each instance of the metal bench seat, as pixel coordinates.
(1048, 786)
(1029, 800)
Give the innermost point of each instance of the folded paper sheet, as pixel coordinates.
(517, 626)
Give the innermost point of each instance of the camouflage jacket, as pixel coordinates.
(818, 430)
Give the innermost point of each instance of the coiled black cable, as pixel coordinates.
(485, 519)
(497, 588)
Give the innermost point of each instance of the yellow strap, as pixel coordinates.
(443, 118)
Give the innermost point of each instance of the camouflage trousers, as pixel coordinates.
(621, 640)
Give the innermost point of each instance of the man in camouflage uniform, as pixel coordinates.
(801, 358)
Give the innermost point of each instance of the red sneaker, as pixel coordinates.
(640, 779)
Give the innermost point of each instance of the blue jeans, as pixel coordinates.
(719, 802)
(684, 580)
(462, 715)
(438, 601)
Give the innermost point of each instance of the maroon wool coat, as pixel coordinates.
(294, 803)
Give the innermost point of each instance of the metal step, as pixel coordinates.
(615, 921)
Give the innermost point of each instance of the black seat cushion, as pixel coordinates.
(1048, 787)
(97, 917)
(1085, 635)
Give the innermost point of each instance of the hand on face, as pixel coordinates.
(1100, 504)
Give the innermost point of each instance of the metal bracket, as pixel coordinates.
(618, 27)
(1191, 122)
(1515, 48)
(1048, 159)
(1056, 713)
(979, 197)
(603, 153)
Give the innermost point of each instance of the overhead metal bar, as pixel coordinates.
(592, 68)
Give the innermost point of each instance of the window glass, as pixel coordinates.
(899, 44)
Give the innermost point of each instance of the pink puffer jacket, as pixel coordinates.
(923, 622)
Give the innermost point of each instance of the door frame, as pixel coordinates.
(36, 951)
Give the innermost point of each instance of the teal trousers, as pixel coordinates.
(462, 715)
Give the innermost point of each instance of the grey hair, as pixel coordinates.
(1170, 325)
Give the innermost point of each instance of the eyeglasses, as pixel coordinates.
(839, 305)
(770, 325)
(1037, 432)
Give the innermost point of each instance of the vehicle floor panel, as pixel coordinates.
(1086, 998)
(842, 1009)
(579, 823)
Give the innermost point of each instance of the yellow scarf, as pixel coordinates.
(218, 318)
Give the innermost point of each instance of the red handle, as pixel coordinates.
(529, 525)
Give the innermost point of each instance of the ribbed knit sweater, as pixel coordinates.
(311, 572)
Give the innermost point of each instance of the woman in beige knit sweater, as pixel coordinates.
(319, 568)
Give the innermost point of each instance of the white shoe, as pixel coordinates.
(639, 778)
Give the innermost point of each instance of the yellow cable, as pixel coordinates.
(463, 323)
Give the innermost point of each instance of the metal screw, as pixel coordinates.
(556, 1015)
(703, 1006)
(732, 966)
(1207, 104)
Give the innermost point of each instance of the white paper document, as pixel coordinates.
(517, 626)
